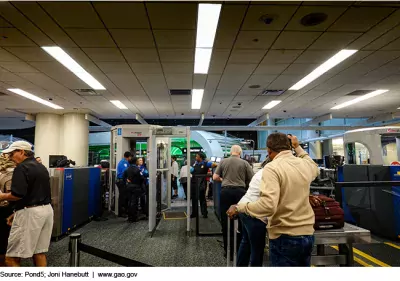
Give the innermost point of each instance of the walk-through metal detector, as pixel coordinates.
(158, 138)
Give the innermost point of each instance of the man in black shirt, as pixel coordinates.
(33, 220)
(135, 185)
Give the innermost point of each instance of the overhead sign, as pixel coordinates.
(193, 150)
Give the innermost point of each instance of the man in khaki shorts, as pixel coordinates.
(33, 216)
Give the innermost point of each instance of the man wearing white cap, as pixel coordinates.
(33, 218)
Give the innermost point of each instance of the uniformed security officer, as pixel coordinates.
(121, 184)
(199, 171)
(135, 182)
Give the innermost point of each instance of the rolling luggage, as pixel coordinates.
(235, 230)
(329, 215)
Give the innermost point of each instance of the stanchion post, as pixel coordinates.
(74, 259)
(228, 237)
(235, 230)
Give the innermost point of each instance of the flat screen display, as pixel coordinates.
(218, 159)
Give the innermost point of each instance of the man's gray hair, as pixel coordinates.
(236, 149)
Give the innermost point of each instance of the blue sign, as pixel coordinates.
(119, 131)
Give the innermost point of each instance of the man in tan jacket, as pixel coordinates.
(284, 199)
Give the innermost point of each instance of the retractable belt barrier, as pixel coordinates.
(76, 246)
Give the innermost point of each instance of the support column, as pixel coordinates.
(76, 138)
(314, 147)
(47, 136)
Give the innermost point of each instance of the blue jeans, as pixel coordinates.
(291, 250)
(253, 242)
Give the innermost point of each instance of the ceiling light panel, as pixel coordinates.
(197, 98)
(359, 99)
(207, 23)
(326, 66)
(30, 96)
(271, 104)
(62, 57)
(118, 104)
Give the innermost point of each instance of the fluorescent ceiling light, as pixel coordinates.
(271, 104)
(197, 97)
(202, 60)
(34, 98)
(63, 58)
(362, 98)
(207, 23)
(118, 104)
(330, 63)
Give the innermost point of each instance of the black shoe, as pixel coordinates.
(192, 216)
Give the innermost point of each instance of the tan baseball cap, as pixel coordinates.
(18, 145)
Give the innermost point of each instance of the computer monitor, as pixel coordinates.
(213, 159)
(218, 159)
(53, 159)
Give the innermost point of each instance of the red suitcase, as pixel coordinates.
(329, 215)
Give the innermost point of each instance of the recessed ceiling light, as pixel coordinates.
(271, 104)
(197, 97)
(330, 63)
(34, 98)
(207, 22)
(118, 104)
(62, 57)
(359, 99)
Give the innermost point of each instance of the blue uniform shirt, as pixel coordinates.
(122, 166)
(144, 173)
(208, 165)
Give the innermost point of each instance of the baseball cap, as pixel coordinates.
(18, 145)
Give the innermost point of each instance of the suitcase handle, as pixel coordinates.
(235, 229)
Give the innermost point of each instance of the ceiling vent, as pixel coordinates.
(236, 106)
(180, 92)
(313, 19)
(254, 86)
(359, 92)
(272, 92)
(86, 92)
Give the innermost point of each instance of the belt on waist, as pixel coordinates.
(232, 187)
(37, 205)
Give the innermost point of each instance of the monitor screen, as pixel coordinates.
(218, 159)
(213, 159)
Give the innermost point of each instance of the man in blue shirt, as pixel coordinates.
(121, 184)
(199, 171)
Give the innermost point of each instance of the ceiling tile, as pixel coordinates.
(281, 56)
(29, 53)
(295, 40)
(224, 39)
(311, 56)
(175, 38)
(218, 62)
(178, 68)
(246, 56)
(280, 15)
(332, 14)
(179, 81)
(11, 37)
(125, 82)
(17, 67)
(114, 67)
(300, 69)
(123, 15)
(232, 82)
(334, 40)
(284, 82)
(360, 19)
(91, 37)
(176, 55)
(234, 68)
(134, 38)
(104, 54)
(255, 39)
(270, 69)
(140, 55)
(199, 81)
(147, 68)
(172, 15)
(7, 56)
(73, 14)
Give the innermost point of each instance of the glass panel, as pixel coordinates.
(362, 154)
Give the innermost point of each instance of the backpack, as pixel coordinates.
(5, 185)
(329, 215)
